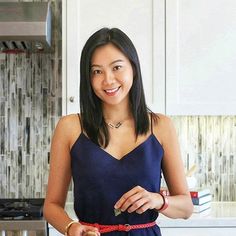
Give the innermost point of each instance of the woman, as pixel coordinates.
(115, 150)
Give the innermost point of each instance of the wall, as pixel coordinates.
(30, 106)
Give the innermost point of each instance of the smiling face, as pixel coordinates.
(111, 75)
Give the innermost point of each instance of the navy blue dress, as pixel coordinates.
(100, 180)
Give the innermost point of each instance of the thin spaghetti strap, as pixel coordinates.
(81, 124)
(151, 123)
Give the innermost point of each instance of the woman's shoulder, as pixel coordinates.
(69, 124)
(161, 120)
(68, 120)
(162, 126)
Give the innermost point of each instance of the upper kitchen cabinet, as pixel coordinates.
(70, 57)
(200, 57)
(143, 21)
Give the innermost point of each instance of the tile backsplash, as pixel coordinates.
(31, 105)
(209, 142)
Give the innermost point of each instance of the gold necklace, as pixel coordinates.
(116, 126)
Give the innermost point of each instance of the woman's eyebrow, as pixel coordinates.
(96, 65)
(119, 60)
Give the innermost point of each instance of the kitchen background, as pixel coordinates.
(31, 105)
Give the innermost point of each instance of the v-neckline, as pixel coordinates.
(125, 155)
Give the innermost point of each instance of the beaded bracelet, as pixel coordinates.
(68, 227)
(165, 202)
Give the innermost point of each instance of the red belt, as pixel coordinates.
(126, 227)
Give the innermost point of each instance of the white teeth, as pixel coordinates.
(111, 90)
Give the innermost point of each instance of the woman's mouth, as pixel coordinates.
(111, 92)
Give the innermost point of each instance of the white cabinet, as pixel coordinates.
(200, 57)
(70, 57)
(54, 232)
(181, 231)
(207, 231)
(198, 231)
(143, 21)
(187, 50)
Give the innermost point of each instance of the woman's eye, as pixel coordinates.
(95, 72)
(117, 67)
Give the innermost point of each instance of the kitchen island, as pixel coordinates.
(219, 221)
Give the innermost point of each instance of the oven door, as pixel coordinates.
(23, 227)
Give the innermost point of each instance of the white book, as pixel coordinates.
(204, 213)
(200, 208)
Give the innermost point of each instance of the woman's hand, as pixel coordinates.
(82, 230)
(139, 200)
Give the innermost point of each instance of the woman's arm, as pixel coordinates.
(180, 203)
(60, 177)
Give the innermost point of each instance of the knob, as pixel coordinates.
(72, 99)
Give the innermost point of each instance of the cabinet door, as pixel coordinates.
(70, 57)
(143, 21)
(54, 232)
(198, 231)
(201, 57)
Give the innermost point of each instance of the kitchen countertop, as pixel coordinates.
(221, 214)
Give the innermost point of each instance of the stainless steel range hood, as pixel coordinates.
(25, 26)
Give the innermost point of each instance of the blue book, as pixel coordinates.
(201, 200)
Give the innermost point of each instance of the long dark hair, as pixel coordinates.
(90, 105)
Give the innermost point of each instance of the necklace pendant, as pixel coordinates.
(118, 125)
(111, 125)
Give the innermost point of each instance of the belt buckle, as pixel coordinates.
(127, 227)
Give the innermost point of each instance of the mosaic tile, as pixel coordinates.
(30, 106)
(209, 142)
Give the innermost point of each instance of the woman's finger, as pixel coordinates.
(128, 194)
(137, 205)
(132, 200)
(90, 233)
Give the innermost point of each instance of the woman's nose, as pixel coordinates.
(109, 77)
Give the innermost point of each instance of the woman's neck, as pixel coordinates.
(118, 113)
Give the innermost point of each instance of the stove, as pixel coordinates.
(21, 209)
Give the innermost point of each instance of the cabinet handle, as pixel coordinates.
(72, 99)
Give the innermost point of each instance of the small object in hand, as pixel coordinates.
(90, 233)
(117, 212)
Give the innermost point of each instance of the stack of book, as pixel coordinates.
(201, 199)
